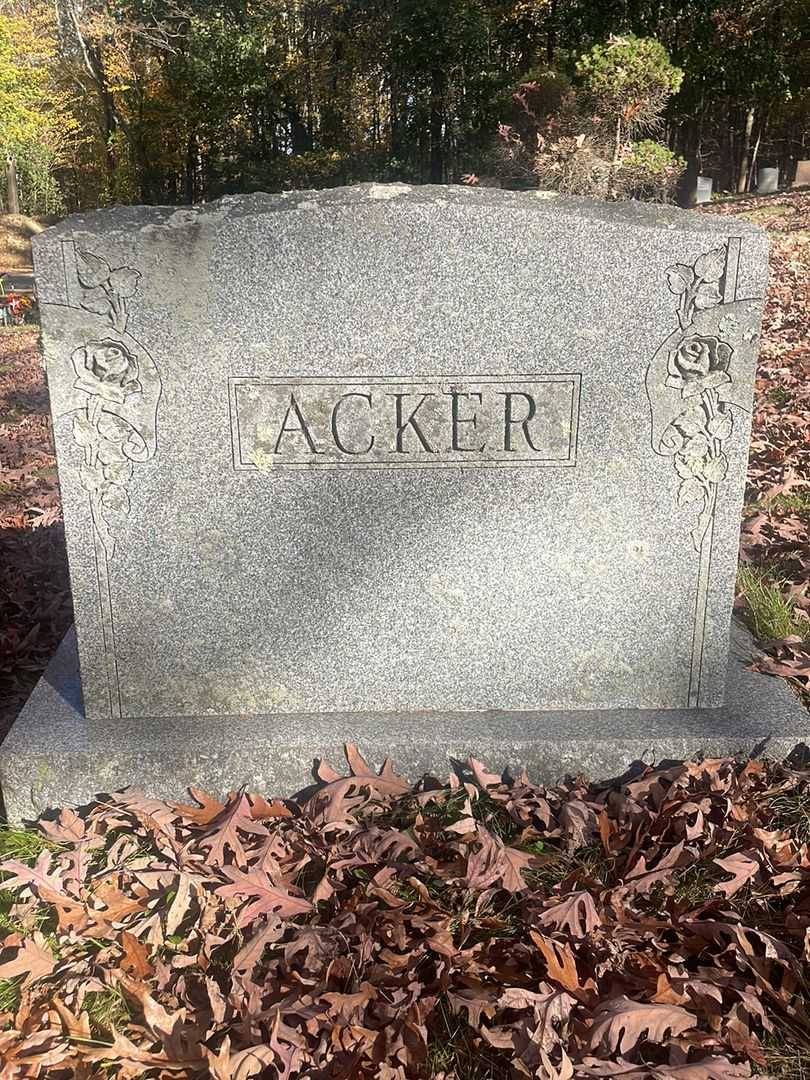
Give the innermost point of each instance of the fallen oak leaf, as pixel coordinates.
(261, 809)
(35, 877)
(712, 1068)
(578, 822)
(561, 966)
(135, 961)
(287, 1046)
(180, 904)
(77, 1027)
(203, 814)
(743, 868)
(512, 863)
(576, 914)
(180, 1040)
(269, 899)
(47, 1046)
(350, 1008)
(224, 832)
(122, 1052)
(340, 794)
(641, 878)
(34, 959)
(620, 1024)
(483, 778)
(551, 1008)
(251, 952)
(709, 1068)
(239, 1066)
(116, 903)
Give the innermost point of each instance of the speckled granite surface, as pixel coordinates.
(54, 756)
(391, 449)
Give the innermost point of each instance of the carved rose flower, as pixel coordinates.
(699, 363)
(108, 369)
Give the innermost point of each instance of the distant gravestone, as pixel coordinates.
(438, 470)
(703, 190)
(767, 181)
(802, 178)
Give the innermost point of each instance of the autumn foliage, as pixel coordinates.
(653, 926)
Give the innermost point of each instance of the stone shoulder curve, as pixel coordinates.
(625, 214)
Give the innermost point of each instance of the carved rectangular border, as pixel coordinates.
(572, 378)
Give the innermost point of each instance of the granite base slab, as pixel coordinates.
(54, 756)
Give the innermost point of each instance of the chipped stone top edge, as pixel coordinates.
(628, 213)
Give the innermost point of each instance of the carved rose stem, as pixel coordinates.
(710, 399)
(95, 408)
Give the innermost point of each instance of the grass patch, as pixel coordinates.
(783, 1061)
(455, 1050)
(23, 328)
(106, 1009)
(777, 395)
(10, 994)
(771, 612)
(765, 213)
(25, 845)
(792, 502)
(790, 810)
(490, 812)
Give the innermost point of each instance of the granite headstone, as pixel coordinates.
(390, 456)
(802, 177)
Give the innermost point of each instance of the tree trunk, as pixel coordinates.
(299, 135)
(742, 176)
(191, 169)
(395, 147)
(551, 39)
(436, 124)
(752, 171)
(12, 192)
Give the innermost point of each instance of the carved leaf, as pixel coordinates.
(90, 478)
(92, 269)
(83, 431)
(682, 467)
(690, 491)
(109, 452)
(97, 301)
(115, 498)
(118, 472)
(693, 421)
(706, 296)
(125, 281)
(710, 266)
(696, 448)
(679, 278)
(672, 440)
(699, 531)
(716, 468)
(720, 426)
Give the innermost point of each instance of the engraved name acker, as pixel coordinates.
(338, 423)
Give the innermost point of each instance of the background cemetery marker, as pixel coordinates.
(471, 458)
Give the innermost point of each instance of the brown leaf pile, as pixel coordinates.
(655, 926)
(774, 533)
